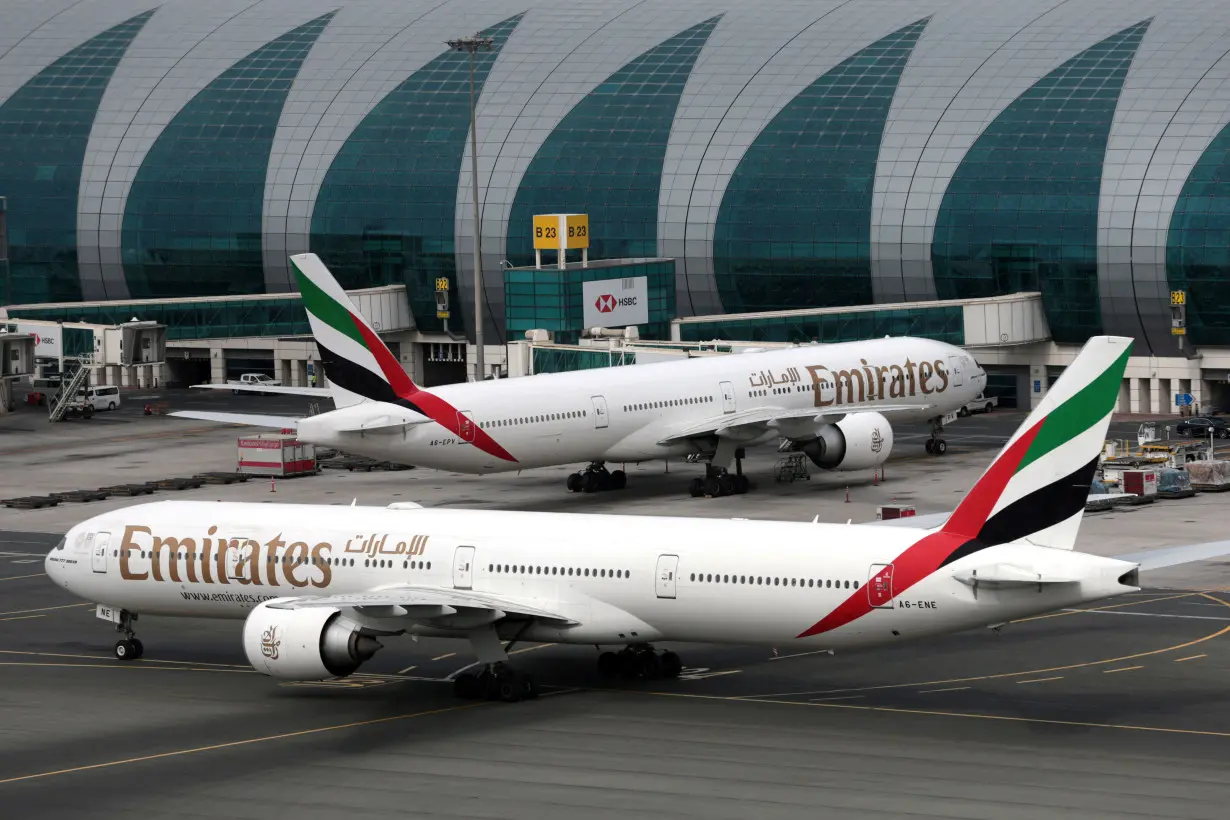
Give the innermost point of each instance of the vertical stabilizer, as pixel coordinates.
(359, 365)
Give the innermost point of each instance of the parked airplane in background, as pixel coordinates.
(318, 586)
(832, 402)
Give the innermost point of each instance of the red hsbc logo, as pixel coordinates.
(605, 303)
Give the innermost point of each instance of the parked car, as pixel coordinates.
(982, 404)
(1200, 428)
(253, 380)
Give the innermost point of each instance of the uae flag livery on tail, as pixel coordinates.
(359, 365)
(1034, 491)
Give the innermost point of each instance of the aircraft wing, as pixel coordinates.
(317, 392)
(918, 522)
(247, 419)
(766, 417)
(1173, 556)
(425, 603)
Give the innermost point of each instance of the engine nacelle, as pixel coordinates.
(857, 442)
(304, 644)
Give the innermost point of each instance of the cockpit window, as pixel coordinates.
(63, 543)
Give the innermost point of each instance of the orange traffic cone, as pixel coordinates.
(273, 484)
(847, 495)
(875, 478)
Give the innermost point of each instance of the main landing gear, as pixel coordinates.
(719, 482)
(595, 479)
(496, 681)
(936, 446)
(639, 661)
(130, 648)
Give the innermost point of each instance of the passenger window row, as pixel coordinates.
(520, 420)
(658, 405)
(284, 558)
(514, 569)
(759, 580)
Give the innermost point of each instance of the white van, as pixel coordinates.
(104, 398)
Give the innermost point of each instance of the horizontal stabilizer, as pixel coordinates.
(383, 421)
(246, 419)
(281, 390)
(1008, 575)
(1157, 559)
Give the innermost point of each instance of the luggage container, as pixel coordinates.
(1140, 483)
(276, 454)
(889, 512)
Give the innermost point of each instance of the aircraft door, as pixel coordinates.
(600, 416)
(668, 566)
(463, 568)
(728, 397)
(465, 426)
(880, 586)
(234, 551)
(954, 370)
(98, 552)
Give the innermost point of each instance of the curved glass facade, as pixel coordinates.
(1198, 245)
(605, 157)
(192, 225)
(44, 129)
(794, 228)
(384, 214)
(1021, 213)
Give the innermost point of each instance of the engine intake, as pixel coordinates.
(304, 644)
(857, 442)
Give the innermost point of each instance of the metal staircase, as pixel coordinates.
(75, 388)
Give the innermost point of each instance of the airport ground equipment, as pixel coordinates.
(791, 468)
(276, 454)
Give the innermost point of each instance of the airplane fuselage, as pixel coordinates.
(621, 579)
(632, 414)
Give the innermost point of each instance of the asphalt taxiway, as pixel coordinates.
(1117, 710)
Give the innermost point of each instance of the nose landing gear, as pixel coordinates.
(936, 446)
(130, 647)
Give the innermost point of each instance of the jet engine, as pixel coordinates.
(304, 644)
(857, 442)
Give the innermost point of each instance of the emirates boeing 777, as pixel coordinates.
(832, 402)
(319, 587)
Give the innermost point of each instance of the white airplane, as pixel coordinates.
(318, 586)
(832, 402)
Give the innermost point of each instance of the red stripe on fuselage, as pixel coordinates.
(929, 553)
(436, 408)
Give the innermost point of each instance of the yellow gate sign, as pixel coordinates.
(561, 231)
(442, 283)
(1178, 297)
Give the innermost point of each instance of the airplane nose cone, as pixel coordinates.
(53, 564)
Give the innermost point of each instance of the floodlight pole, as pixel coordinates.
(472, 45)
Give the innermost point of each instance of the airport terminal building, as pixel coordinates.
(167, 157)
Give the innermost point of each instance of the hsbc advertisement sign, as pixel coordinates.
(616, 302)
(47, 338)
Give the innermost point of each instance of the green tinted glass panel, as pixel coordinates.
(1198, 245)
(794, 229)
(385, 211)
(945, 324)
(554, 360)
(1021, 212)
(44, 128)
(191, 320)
(605, 157)
(192, 223)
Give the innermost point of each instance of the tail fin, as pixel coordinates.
(359, 366)
(1037, 487)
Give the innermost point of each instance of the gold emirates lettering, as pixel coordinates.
(147, 556)
(875, 382)
(378, 544)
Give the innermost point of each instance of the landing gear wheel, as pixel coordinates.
(726, 484)
(574, 483)
(125, 651)
(651, 666)
(697, 487)
(671, 665)
(509, 687)
(138, 647)
(590, 482)
(711, 488)
(629, 665)
(529, 687)
(619, 480)
(940, 447)
(466, 686)
(742, 484)
(930, 445)
(608, 665)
